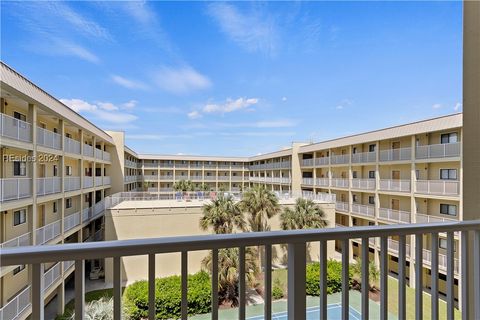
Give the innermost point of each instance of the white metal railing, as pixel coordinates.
(340, 183)
(106, 156)
(130, 163)
(130, 178)
(51, 276)
(364, 210)
(342, 206)
(307, 163)
(321, 182)
(151, 177)
(322, 161)
(71, 183)
(427, 218)
(196, 178)
(182, 165)
(15, 129)
(70, 145)
(48, 185)
(400, 154)
(296, 241)
(67, 265)
(98, 153)
(271, 165)
(86, 214)
(394, 215)
(16, 306)
(87, 181)
(210, 178)
(224, 178)
(276, 180)
(23, 240)
(87, 150)
(48, 232)
(165, 177)
(438, 187)
(442, 261)
(107, 180)
(364, 157)
(395, 185)
(99, 207)
(49, 139)
(444, 150)
(340, 159)
(307, 181)
(71, 221)
(162, 165)
(98, 181)
(15, 188)
(367, 184)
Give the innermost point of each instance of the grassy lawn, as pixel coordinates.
(89, 296)
(280, 275)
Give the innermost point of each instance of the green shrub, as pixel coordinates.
(277, 291)
(168, 297)
(334, 277)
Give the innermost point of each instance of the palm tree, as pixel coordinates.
(183, 185)
(373, 274)
(261, 204)
(222, 214)
(228, 267)
(305, 215)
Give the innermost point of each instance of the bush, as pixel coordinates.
(277, 291)
(168, 297)
(101, 309)
(334, 277)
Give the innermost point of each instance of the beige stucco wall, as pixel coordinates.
(165, 222)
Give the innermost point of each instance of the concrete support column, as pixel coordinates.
(413, 210)
(377, 179)
(61, 297)
(32, 166)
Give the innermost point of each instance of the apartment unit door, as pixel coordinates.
(395, 204)
(395, 175)
(396, 150)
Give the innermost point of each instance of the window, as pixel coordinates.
(448, 174)
(371, 199)
(68, 203)
(448, 209)
(371, 174)
(18, 269)
(19, 168)
(354, 221)
(354, 150)
(68, 135)
(442, 244)
(354, 174)
(68, 170)
(355, 198)
(372, 147)
(55, 170)
(55, 130)
(54, 206)
(19, 116)
(19, 217)
(448, 138)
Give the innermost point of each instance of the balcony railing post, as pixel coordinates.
(37, 291)
(215, 284)
(296, 305)
(345, 280)
(151, 287)
(268, 283)
(241, 284)
(323, 280)
(365, 286)
(419, 276)
(79, 289)
(117, 288)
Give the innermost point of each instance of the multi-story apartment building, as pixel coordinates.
(57, 168)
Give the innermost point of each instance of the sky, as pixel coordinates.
(239, 78)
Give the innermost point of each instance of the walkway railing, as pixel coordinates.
(296, 243)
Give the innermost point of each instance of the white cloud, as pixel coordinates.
(344, 103)
(258, 134)
(128, 83)
(458, 106)
(284, 99)
(436, 106)
(65, 47)
(253, 30)
(129, 104)
(106, 111)
(230, 105)
(194, 115)
(182, 80)
(281, 123)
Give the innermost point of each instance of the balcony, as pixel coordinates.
(438, 187)
(342, 206)
(397, 216)
(395, 185)
(401, 154)
(224, 166)
(364, 157)
(211, 178)
(49, 139)
(98, 154)
(15, 129)
(98, 181)
(364, 184)
(48, 232)
(106, 156)
(99, 207)
(129, 179)
(340, 183)
(87, 182)
(363, 210)
(438, 151)
(71, 145)
(48, 185)
(307, 163)
(150, 177)
(129, 163)
(224, 178)
(162, 165)
(426, 218)
(181, 165)
(153, 165)
(307, 181)
(340, 159)
(71, 183)
(296, 241)
(321, 182)
(107, 180)
(86, 214)
(166, 177)
(237, 178)
(15, 188)
(71, 221)
(323, 161)
(23, 240)
(88, 150)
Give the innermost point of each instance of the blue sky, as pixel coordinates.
(240, 78)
